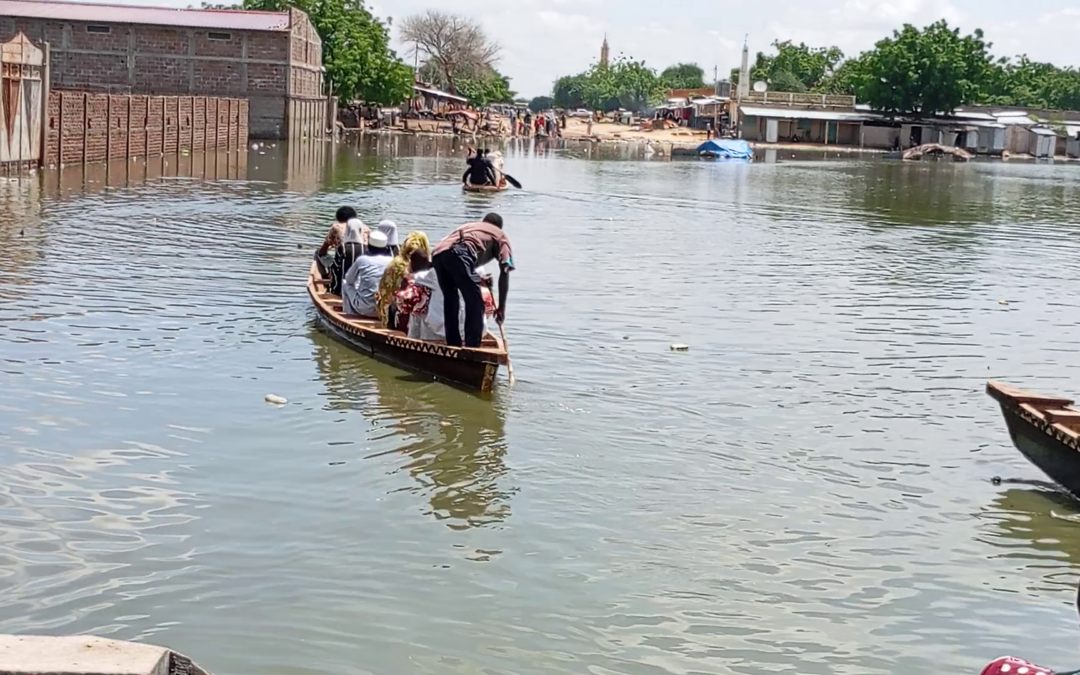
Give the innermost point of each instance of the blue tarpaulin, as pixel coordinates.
(726, 149)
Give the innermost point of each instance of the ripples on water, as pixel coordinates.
(805, 491)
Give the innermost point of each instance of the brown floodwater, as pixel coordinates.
(807, 490)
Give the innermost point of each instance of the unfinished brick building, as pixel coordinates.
(273, 59)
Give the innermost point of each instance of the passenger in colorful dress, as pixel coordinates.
(397, 276)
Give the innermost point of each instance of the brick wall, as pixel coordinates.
(85, 127)
(163, 60)
(269, 68)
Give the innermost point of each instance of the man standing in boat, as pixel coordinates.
(456, 260)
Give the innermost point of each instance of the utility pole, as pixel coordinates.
(716, 103)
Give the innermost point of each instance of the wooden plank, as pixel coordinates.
(1071, 433)
(1032, 410)
(1067, 417)
(1022, 396)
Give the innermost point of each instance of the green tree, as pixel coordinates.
(541, 103)
(625, 83)
(843, 79)
(356, 49)
(783, 80)
(481, 86)
(1023, 82)
(925, 72)
(569, 91)
(795, 67)
(485, 89)
(683, 76)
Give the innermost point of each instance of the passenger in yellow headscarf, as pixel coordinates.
(396, 274)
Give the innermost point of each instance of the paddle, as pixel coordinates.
(513, 181)
(506, 348)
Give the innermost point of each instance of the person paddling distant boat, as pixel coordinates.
(479, 171)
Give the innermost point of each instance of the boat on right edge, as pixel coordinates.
(1045, 429)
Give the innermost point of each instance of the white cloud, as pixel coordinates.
(569, 23)
(543, 39)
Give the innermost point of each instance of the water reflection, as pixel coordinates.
(21, 235)
(452, 444)
(1020, 522)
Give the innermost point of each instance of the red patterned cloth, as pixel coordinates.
(1010, 665)
(413, 299)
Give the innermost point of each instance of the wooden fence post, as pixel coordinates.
(60, 138)
(108, 131)
(85, 124)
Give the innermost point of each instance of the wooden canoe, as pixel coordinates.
(1045, 429)
(470, 368)
(468, 187)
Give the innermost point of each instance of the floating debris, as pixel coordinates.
(1069, 517)
(680, 347)
(336, 463)
(1003, 302)
(275, 399)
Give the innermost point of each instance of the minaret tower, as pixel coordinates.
(604, 52)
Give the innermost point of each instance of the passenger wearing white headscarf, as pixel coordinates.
(351, 248)
(389, 228)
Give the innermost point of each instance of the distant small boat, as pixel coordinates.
(503, 185)
(471, 368)
(1045, 429)
(730, 148)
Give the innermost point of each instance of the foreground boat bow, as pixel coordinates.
(1046, 429)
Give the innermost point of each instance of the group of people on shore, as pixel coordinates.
(542, 124)
(439, 293)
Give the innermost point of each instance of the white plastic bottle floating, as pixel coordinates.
(275, 399)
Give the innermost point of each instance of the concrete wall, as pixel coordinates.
(883, 138)
(307, 118)
(87, 127)
(88, 655)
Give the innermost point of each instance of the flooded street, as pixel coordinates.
(807, 490)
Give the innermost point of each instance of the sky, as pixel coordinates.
(544, 39)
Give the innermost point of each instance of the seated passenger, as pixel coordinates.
(396, 276)
(411, 302)
(422, 300)
(351, 248)
(389, 228)
(363, 278)
(333, 239)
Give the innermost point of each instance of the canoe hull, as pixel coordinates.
(1052, 447)
(473, 369)
(485, 188)
(477, 376)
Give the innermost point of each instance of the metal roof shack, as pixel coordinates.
(800, 114)
(438, 93)
(153, 16)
